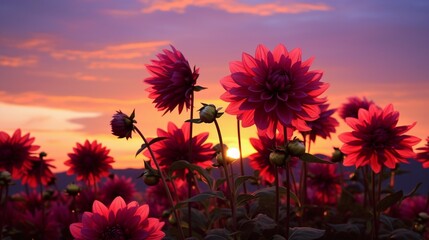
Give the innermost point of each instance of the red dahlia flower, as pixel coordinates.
(119, 221)
(324, 125)
(323, 183)
(376, 140)
(40, 172)
(423, 156)
(89, 162)
(16, 152)
(351, 108)
(172, 81)
(273, 87)
(176, 147)
(117, 186)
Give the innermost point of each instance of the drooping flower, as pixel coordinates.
(376, 140)
(176, 147)
(323, 183)
(117, 186)
(89, 162)
(273, 87)
(122, 124)
(16, 152)
(351, 108)
(39, 173)
(172, 81)
(423, 156)
(324, 125)
(119, 221)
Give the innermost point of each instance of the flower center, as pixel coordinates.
(380, 138)
(113, 232)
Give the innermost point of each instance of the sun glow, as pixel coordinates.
(233, 153)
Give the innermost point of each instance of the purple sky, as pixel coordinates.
(67, 66)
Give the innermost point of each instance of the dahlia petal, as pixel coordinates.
(374, 164)
(75, 230)
(279, 51)
(236, 66)
(270, 105)
(390, 160)
(295, 55)
(261, 52)
(353, 123)
(100, 208)
(248, 62)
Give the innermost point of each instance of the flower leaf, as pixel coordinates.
(243, 198)
(183, 164)
(195, 120)
(307, 157)
(152, 141)
(412, 191)
(305, 233)
(199, 88)
(389, 200)
(241, 179)
(202, 197)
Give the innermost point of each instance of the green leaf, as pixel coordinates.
(243, 198)
(202, 197)
(199, 88)
(152, 141)
(196, 120)
(307, 157)
(219, 182)
(241, 179)
(183, 164)
(305, 233)
(270, 192)
(389, 200)
(412, 191)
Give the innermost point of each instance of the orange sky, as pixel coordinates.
(66, 67)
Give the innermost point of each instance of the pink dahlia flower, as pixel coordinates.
(172, 81)
(351, 108)
(423, 156)
(324, 125)
(40, 172)
(16, 152)
(273, 87)
(409, 209)
(324, 183)
(89, 162)
(119, 221)
(176, 147)
(122, 125)
(376, 140)
(117, 186)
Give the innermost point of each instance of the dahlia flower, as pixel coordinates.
(89, 162)
(376, 140)
(172, 81)
(122, 124)
(117, 186)
(273, 87)
(323, 183)
(423, 156)
(409, 209)
(119, 221)
(176, 147)
(16, 152)
(351, 108)
(40, 172)
(324, 125)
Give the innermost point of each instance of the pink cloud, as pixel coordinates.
(261, 9)
(7, 61)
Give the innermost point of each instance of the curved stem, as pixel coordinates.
(190, 178)
(241, 156)
(164, 182)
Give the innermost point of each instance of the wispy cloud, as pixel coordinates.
(114, 65)
(233, 6)
(7, 61)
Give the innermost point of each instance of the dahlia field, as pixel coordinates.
(197, 189)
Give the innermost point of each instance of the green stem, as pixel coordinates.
(374, 208)
(286, 141)
(241, 156)
(164, 182)
(276, 175)
(190, 160)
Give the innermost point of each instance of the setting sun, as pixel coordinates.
(233, 153)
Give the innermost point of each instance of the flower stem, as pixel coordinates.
(286, 141)
(164, 182)
(190, 182)
(374, 208)
(276, 175)
(241, 157)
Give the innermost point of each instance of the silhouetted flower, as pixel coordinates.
(323, 183)
(176, 147)
(423, 156)
(172, 81)
(16, 152)
(117, 186)
(273, 87)
(324, 125)
(119, 221)
(376, 140)
(351, 108)
(40, 172)
(89, 162)
(122, 124)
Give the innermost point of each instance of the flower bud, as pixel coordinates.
(337, 155)
(278, 158)
(5, 178)
(208, 113)
(72, 189)
(122, 124)
(296, 147)
(150, 178)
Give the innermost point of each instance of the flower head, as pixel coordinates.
(273, 87)
(376, 140)
(324, 125)
(176, 147)
(122, 124)
(423, 156)
(117, 186)
(119, 221)
(89, 161)
(40, 171)
(172, 81)
(351, 108)
(16, 152)
(324, 183)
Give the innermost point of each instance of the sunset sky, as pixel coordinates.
(67, 66)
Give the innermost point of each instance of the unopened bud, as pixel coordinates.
(337, 155)
(5, 178)
(296, 147)
(72, 189)
(208, 113)
(278, 158)
(150, 178)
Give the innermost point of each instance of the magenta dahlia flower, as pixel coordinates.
(409, 209)
(176, 147)
(122, 124)
(117, 186)
(376, 140)
(16, 152)
(273, 87)
(89, 162)
(352, 106)
(119, 221)
(423, 156)
(323, 183)
(324, 125)
(40, 172)
(172, 81)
